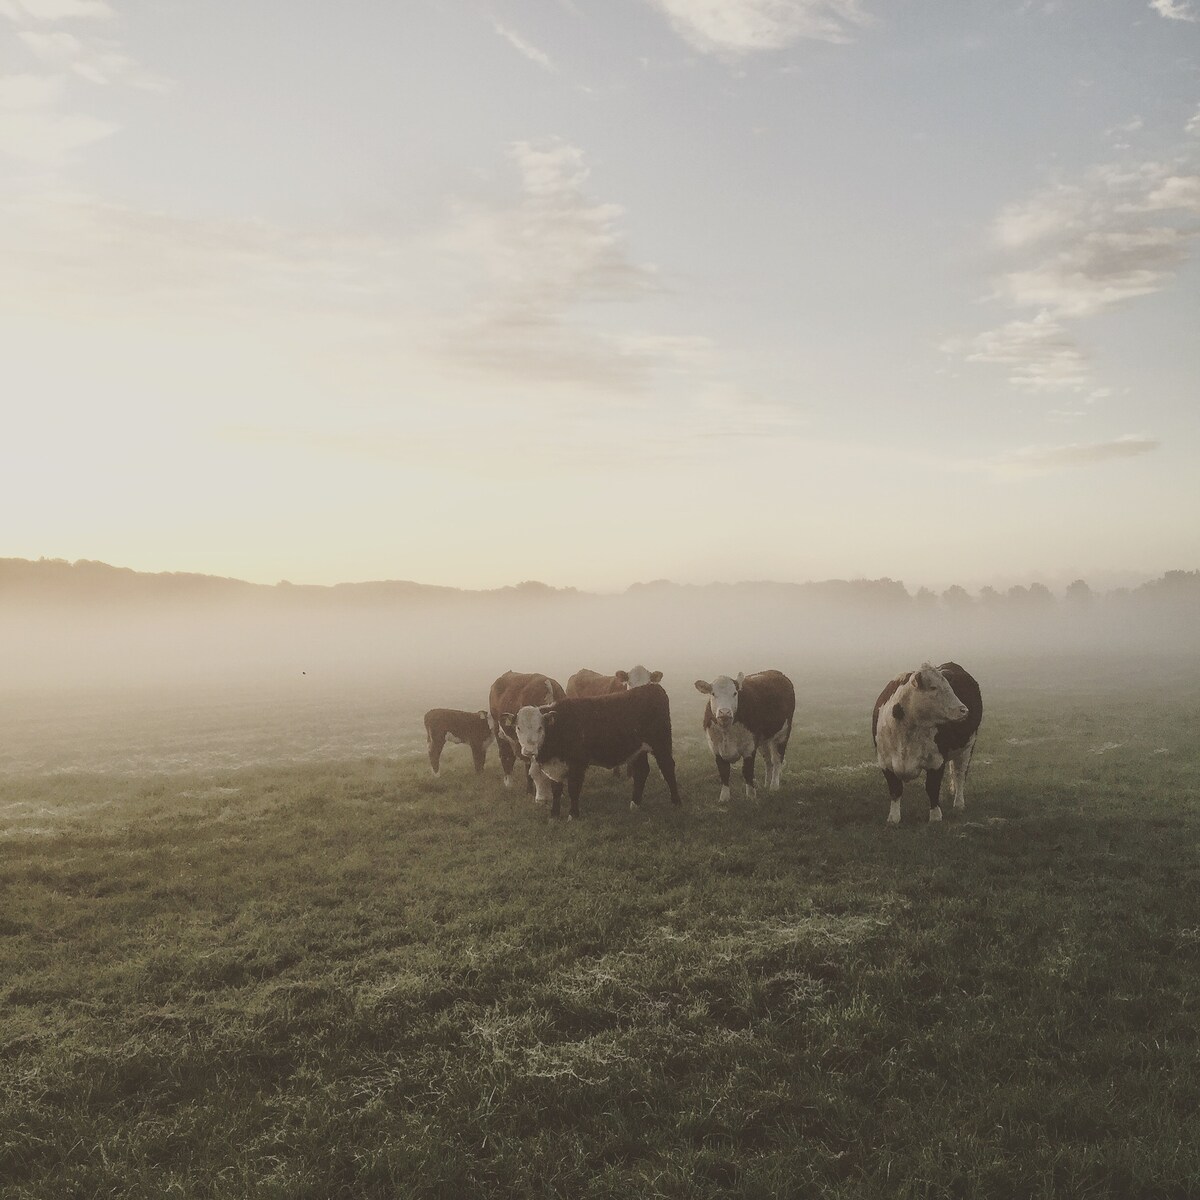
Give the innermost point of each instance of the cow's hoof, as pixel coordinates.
(959, 805)
(723, 798)
(634, 806)
(935, 813)
(894, 813)
(508, 781)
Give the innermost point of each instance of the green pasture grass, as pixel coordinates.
(348, 979)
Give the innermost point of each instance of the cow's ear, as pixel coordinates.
(508, 722)
(622, 676)
(656, 677)
(484, 715)
(550, 717)
(741, 679)
(704, 688)
(917, 682)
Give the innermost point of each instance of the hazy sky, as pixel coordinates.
(593, 291)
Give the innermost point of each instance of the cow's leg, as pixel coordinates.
(666, 764)
(575, 776)
(933, 789)
(895, 790)
(543, 785)
(436, 745)
(959, 765)
(778, 746)
(556, 790)
(723, 771)
(508, 757)
(639, 771)
(479, 754)
(748, 775)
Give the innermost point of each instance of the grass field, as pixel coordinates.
(232, 966)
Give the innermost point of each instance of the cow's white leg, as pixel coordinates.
(961, 764)
(508, 781)
(541, 784)
(935, 813)
(723, 798)
(894, 813)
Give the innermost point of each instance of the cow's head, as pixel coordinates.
(527, 727)
(638, 677)
(722, 696)
(931, 697)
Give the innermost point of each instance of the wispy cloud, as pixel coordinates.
(530, 51)
(41, 124)
(538, 261)
(739, 27)
(1040, 354)
(1173, 10)
(1042, 460)
(1080, 249)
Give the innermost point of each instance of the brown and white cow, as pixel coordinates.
(744, 714)
(927, 720)
(622, 728)
(592, 683)
(472, 729)
(511, 692)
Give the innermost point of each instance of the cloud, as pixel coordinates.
(1042, 460)
(1173, 10)
(1041, 355)
(536, 264)
(738, 27)
(530, 51)
(1193, 125)
(1080, 249)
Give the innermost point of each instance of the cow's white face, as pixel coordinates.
(722, 697)
(639, 676)
(530, 729)
(932, 698)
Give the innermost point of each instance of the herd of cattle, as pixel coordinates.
(923, 721)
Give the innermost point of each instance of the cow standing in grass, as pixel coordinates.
(562, 740)
(744, 714)
(927, 720)
(472, 729)
(511, 692)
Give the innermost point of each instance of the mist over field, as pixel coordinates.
(104, 668)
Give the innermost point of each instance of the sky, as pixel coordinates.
(599, 291)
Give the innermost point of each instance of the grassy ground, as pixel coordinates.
(347, 979)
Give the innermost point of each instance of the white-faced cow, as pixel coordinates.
(927, 720)
(622, 728)
(744, 714)
(472, 729)
(511, 692)
(592, 683)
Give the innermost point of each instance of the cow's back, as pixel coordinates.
(592, 683)
(515, 689)
(766, 702)
(607, 730)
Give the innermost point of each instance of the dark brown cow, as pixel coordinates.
(927, 720)
(511, 692)
(472, 729)
(592, 683)
(743, 714)
(623, 728)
